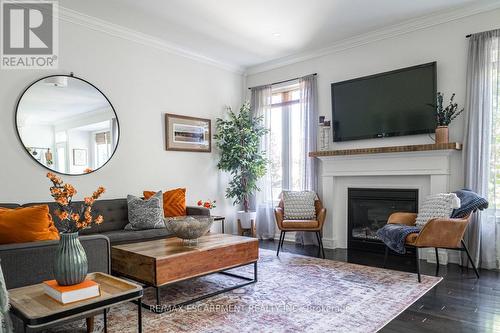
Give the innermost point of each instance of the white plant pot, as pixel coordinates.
(246, 218)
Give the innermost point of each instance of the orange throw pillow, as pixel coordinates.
(26, 224)
(174, 201)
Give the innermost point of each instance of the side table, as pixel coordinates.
(222, 220)
(36, 309)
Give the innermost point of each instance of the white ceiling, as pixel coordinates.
(246, 33)
(45, 104)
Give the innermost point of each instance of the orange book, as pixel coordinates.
(68, 294)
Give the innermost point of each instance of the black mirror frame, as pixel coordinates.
(31, 156)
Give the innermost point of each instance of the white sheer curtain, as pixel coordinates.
(260, 103)
(482, 145)
(309, 113)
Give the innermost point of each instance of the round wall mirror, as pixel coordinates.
(67, 125)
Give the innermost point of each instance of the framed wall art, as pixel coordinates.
(80, 157)
(185, 133)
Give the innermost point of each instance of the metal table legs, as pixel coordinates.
(159, 308)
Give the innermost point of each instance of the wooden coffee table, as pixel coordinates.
(36, 309)
(162, 262)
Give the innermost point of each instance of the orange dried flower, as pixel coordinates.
(55, 191)
(99, 219)
(63, 194)
(70, 190)
(100, 190)
(62, 201)
(63, 215)
(89, 201)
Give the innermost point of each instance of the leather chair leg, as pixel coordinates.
(321, 250)
(322, 246)
(386, 254)
(417, 260)
(437, 261)
(469, 257)
(279, 243)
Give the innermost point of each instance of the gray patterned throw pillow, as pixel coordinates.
(299, 205)
(145, 214)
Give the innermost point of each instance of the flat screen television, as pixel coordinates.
(387, 104)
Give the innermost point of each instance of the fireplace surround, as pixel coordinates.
(368, 211)
(427, 168)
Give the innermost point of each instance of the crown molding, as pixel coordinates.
(376, 35)
(94, 23)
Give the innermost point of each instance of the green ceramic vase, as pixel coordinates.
(70, 266)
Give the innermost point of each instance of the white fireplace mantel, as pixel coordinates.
(428, 171)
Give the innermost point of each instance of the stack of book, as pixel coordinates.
(69, 294)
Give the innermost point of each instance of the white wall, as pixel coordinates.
(41, 136)
(445, 43)
(143, 83)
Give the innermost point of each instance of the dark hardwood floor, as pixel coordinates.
(459, 303)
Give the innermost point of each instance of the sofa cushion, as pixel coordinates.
(131, 236)
(9, 205)
(438, 205)
(299, 205)
(145, 214)
(174, 201)
(26, 224)
(300, 224)
(114, 211)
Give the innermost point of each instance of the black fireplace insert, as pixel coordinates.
(369, 210)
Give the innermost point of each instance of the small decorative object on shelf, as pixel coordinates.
(69, 294)
(207, 204)
(444, 116)
(70, 266)
(324, 135)
(48, 157)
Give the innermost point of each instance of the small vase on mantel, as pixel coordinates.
(70, 266)
(442, 135)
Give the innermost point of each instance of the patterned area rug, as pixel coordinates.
(294, 293)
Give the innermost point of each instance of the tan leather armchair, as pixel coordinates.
(315, 226)
(437, 233)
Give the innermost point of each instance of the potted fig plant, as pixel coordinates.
(444, 116)
(238, 139)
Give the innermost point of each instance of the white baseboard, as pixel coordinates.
(428, 254)
(328, 243)
(445, 256)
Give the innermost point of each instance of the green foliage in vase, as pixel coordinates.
(444, 115)
(238, 139)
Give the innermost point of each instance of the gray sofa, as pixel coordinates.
(29, 263)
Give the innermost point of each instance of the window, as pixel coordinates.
(494, 179)
(61, 139)
(287, 140)
(102, 148)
